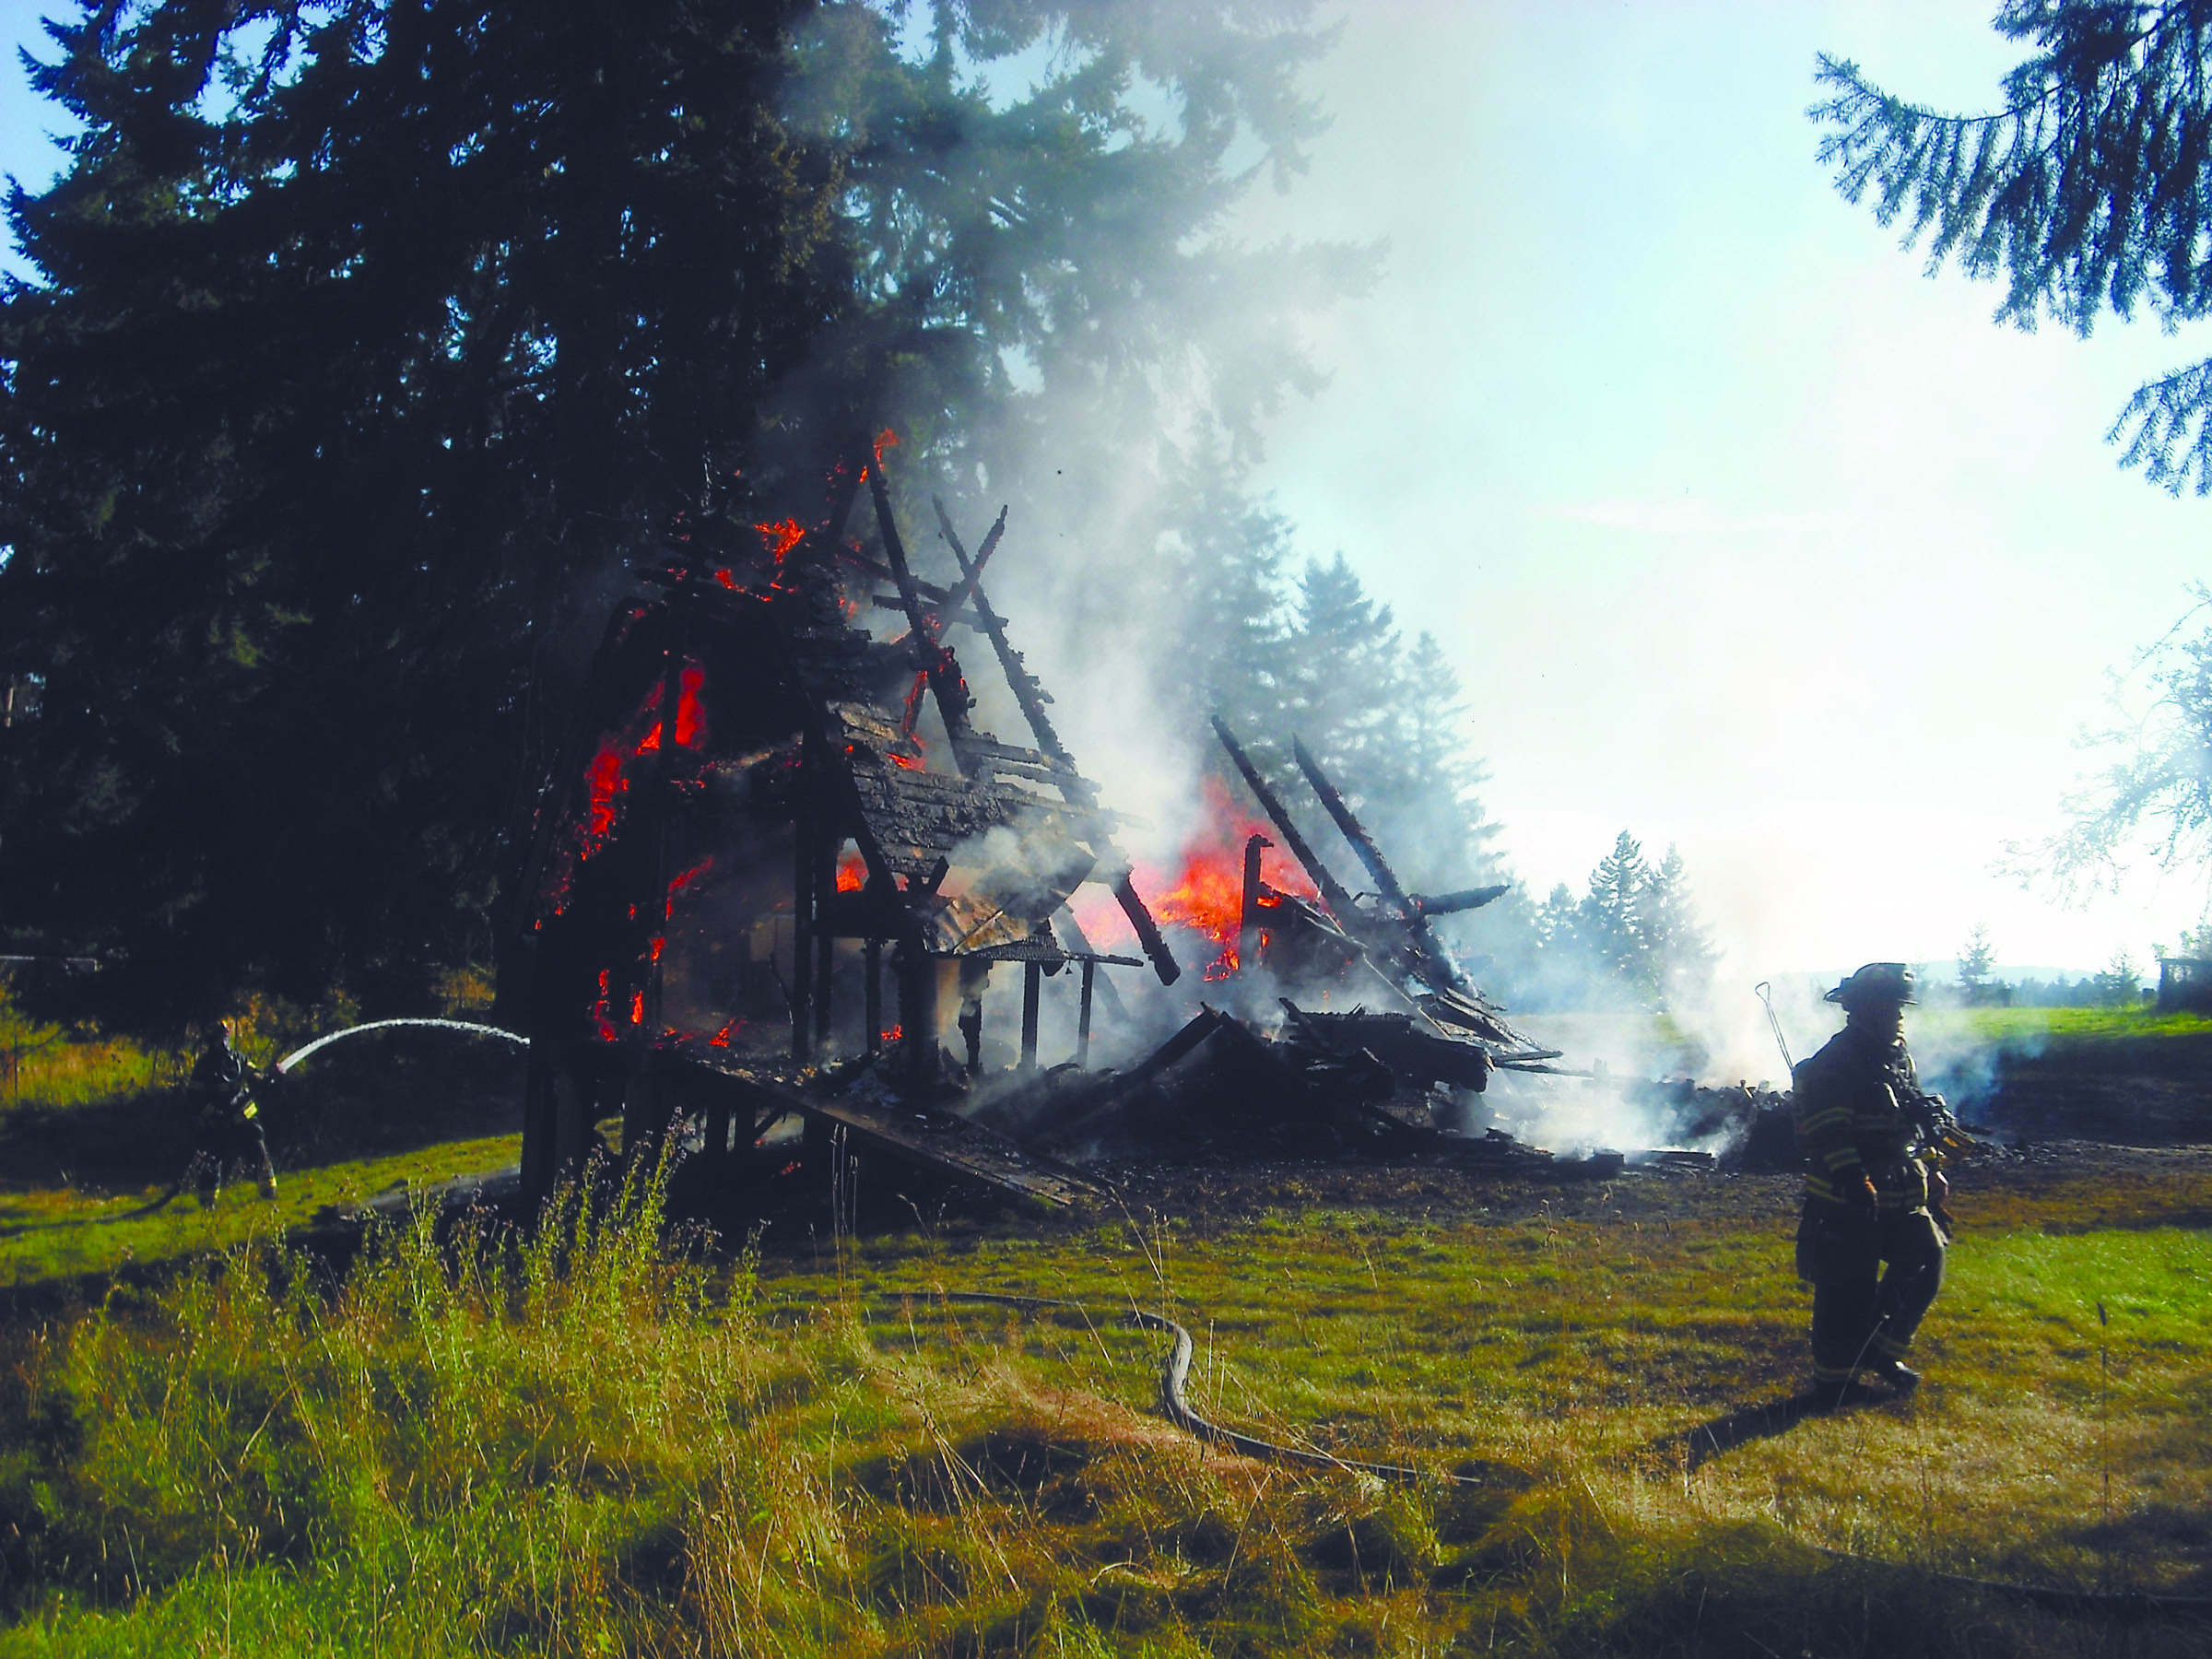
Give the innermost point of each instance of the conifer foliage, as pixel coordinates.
(1633, 939)
(371, 341)
(2090, 191)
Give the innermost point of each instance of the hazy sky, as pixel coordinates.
(1743, 535)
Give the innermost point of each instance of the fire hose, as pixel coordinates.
(1174, 1376)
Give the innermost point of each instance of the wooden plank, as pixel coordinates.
(941, 1141)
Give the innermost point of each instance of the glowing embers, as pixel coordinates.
(604, 784)
(852, 871)
(887, 439)
(691, 722)
(779, 539)
(682, 880)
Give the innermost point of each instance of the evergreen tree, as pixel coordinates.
(1632, 938)
(1610, 923)
(1976, 963)
(1345, 679)
(1679, 948)
(371, 342)
(1448, 831)
(1556, 919)
(2089, 192)
(2120, 984)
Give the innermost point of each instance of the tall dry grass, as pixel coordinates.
(595, 1439)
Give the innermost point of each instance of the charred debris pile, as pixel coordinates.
(778, 850)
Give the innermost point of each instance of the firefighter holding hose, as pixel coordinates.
(227, 1132)
(1872, 1236)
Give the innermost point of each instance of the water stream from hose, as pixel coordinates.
(299, 1054)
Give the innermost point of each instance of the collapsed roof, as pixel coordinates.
(708, 898)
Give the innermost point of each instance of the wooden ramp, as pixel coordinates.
(925, 1137)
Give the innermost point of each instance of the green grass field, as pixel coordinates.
(2001, 1026)
(465, 1450)
(597, 1441)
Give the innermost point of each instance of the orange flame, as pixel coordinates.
(1207, 893)
(852, 872)
(887, 439)
(911, 762)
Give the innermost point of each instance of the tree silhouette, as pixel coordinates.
(2089, 192)
(371, 344)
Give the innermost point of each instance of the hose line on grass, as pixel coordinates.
(1174, 1374)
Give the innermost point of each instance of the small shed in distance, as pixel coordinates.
(2185, 983)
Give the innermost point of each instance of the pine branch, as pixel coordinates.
(2168, 425)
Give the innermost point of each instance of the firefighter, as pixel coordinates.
(227, 1131)
(1869, 1241)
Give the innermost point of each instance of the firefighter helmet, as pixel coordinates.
(1877, 983)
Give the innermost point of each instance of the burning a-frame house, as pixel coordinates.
(764, 812)
(713, 902)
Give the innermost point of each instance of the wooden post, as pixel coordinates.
(804, 864)
(1091, 973)
(825, 948)
(1032, 986)
(917, 973)
(541, 1125)
(872, 973)
(1248, 922)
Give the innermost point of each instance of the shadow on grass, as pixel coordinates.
(1696, 1446)
(12, 1230)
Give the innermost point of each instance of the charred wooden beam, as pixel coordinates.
(956, 595)
(1032, 984)
(1386, 879)
(883, 572)
(1466, 899)
(1248, 917)
(1027, 691)
(946, 616)
(1063, 1117)
(825, 948)
(1090, 975)
(1064, 922)
(872, 976)
(1431, 961)
(1332, 891)
(805, 862)
(917, 973)
(930, 655)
